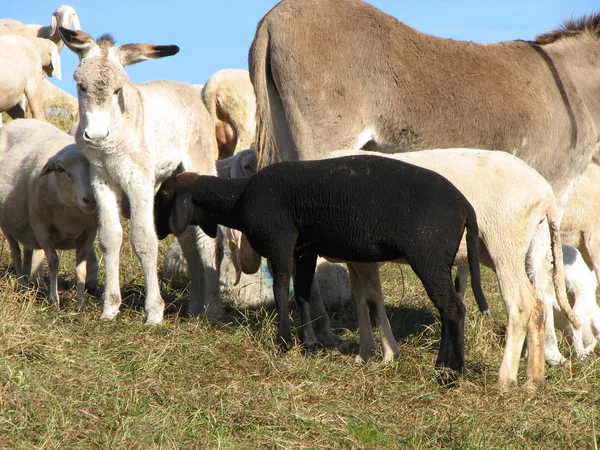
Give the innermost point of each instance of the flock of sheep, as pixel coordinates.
(178, 158)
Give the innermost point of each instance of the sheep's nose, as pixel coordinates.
(88, 200)
(95, 136)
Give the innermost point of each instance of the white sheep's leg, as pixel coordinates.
(27, 273)
(518, 296)
(575, 337)
(37, 268)
(539, 267)
(461, 280)
(591, 242)
(85, 246)
(366, 344)
(33, 92)
(45, 241)
(145, 245)
(200, 252)
(369, 275)
(581, 286)
(110, 237)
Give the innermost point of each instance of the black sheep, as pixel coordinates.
(358, 208)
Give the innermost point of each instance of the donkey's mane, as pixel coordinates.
(106, 40)
(573, 27)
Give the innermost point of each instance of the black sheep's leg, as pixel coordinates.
(437, 280)
(280, 260)
(303, 279)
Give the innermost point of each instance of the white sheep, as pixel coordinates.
(581, 288)
(46, 201)
(580, 225)
(229, 97)
(518, 222)
(136, 136)
(22, 72)
(46, 48)
(64, 16)
(57, 102)
(253, 290)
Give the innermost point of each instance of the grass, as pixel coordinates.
(71, 381)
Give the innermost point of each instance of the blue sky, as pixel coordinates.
(216, 34)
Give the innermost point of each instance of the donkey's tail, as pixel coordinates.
(259, 65)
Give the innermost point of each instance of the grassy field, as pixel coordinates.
(71, 381)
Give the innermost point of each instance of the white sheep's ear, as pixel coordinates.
(75, 21)
(49, 167)
(135, 53)
(78, 41)
(54, 24)
(56, 64)
(234, 238)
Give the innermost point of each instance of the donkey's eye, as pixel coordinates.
(118, 91)
(81, 88)
(60, 169)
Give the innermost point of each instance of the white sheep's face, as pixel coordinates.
(71, 172)
(101, 81)
(74, 183)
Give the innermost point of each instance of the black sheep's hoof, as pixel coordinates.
(328, 339)
(447, 377)
(284, 345)
(348, 347)
(312, 348)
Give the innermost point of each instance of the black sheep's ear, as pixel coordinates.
(209, 227)
(181, 213)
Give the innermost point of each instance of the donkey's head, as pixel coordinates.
(101, 81)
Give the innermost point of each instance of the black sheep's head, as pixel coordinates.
(174, 209)
(164, 202)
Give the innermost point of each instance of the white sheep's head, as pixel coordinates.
(242, 164)
(50, 56)
(65, 16)
(71, 172)
(103, 84)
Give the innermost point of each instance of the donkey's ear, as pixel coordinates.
(181, 213)
(78, 41)
(134, 53)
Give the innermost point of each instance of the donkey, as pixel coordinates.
(135, 136)
(377, 84)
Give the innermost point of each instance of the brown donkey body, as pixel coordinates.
(332, 74)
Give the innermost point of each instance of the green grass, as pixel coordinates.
(71, 381)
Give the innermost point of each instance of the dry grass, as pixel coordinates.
(71, 381)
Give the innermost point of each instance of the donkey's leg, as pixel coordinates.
(110, 237)
(145, 245)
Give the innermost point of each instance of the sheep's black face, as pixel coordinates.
(163, 206)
